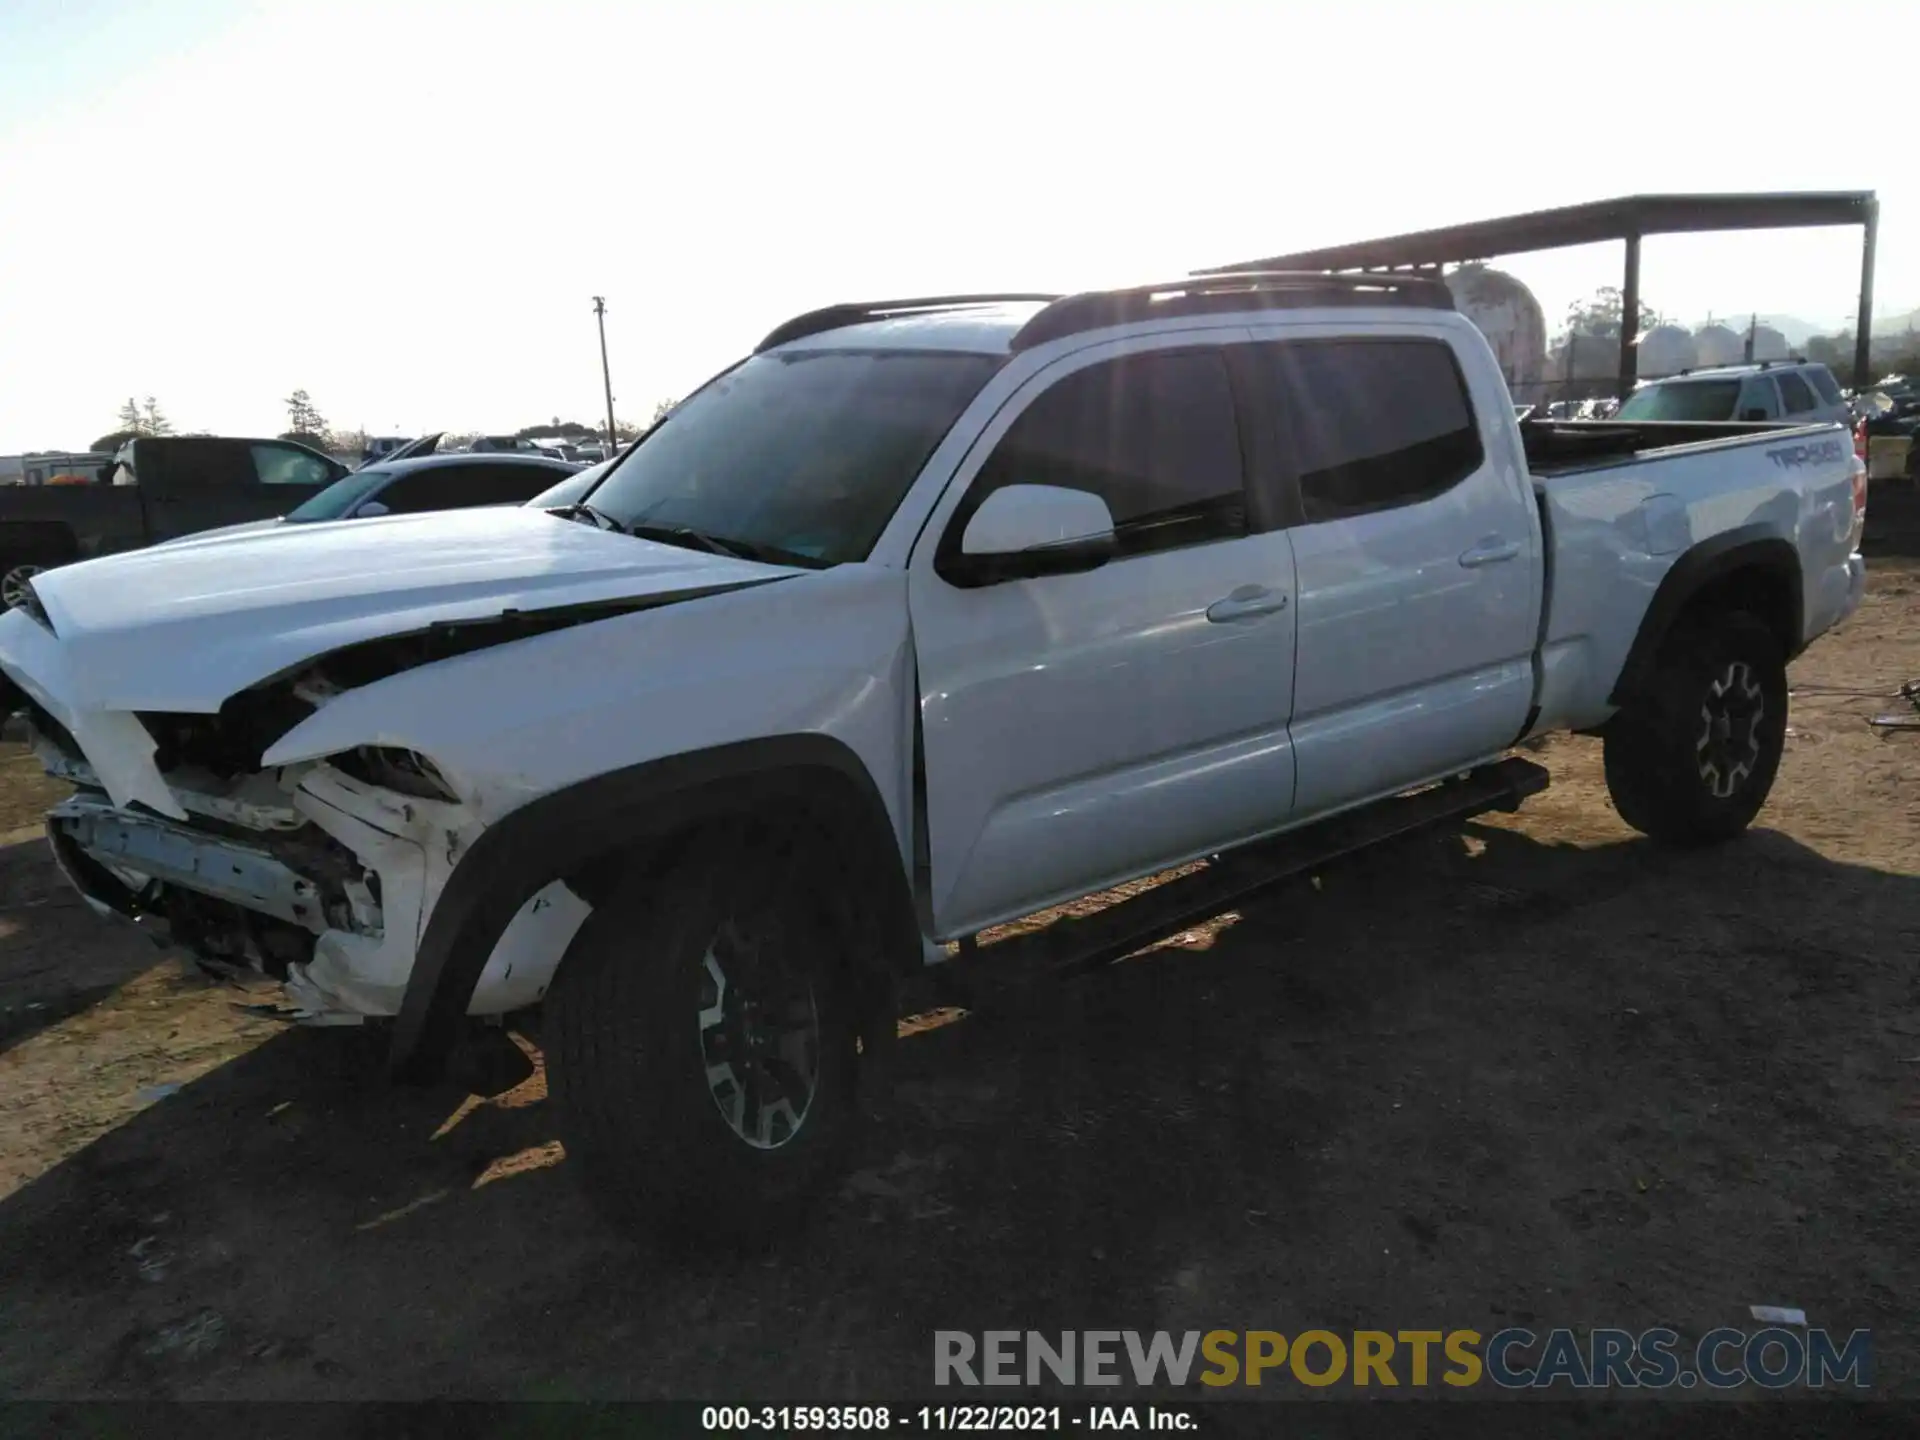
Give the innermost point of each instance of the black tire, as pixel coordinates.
(629, 1041)
(17, 568)
(1691, 761)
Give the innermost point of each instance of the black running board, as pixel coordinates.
(1081, 943)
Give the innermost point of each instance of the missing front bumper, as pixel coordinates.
(157, 850)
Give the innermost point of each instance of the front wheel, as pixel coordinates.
(1692, 759)
(14, 575)
(701, 1044)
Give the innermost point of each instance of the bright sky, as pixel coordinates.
(405, 207)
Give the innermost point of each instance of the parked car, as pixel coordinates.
(1798, 391)
(155, 488)
(925, 616)
(380, 447)
(406, 487)
(572, 490)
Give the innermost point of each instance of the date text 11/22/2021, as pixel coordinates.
(936, 1419)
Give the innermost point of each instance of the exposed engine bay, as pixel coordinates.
(320, 874)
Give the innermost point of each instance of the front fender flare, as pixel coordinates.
(558, 834)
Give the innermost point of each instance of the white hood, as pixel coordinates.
(245, 527)
(182, 627)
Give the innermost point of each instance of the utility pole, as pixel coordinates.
(606, 375)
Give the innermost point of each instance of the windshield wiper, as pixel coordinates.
(581, 508)
(693, 539)
(688, 538)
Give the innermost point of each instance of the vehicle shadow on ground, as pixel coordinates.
(56, 957)
(1893, 520)
(1462, 1075)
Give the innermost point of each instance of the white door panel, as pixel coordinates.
(1387, 742)
(1415, 645)
(1080, 728)
(1417, 621)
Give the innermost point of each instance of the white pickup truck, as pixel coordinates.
(925, 616)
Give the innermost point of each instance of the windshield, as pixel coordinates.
(340, 497)
(803, 456)
(1683, 400)
(569, 491)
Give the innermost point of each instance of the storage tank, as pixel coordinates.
(1508, 315)
(1666, 350)
(1717, 345)
(1595, 357)
(1770, 344)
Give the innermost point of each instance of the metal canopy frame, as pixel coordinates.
(1630, 219)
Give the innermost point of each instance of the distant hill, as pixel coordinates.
(1798, 331)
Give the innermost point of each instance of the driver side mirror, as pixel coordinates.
(1022, 531)
(370, 510)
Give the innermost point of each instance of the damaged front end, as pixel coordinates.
(320, 874)
(245, 723)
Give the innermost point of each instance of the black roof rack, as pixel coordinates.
(1221, 294)
(838, 317)
(1743, 364)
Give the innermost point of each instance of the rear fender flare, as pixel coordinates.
(560, 835)
(1755, 548)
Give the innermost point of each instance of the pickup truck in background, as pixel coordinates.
(926, 616)
(155, 488)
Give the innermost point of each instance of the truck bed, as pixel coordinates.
(1560, 447)
(1620, 502)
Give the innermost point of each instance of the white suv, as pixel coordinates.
(1794, 390)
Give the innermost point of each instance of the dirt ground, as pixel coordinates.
(1527, 1071)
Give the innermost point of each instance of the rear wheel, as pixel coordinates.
(1691, 760)
(700, 1044)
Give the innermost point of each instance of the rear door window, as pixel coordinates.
(1374, 424)
(1823, 382)
(1795, 395)
(1759, 399)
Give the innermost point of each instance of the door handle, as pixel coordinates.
(1490, 551)
(1246, 603)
